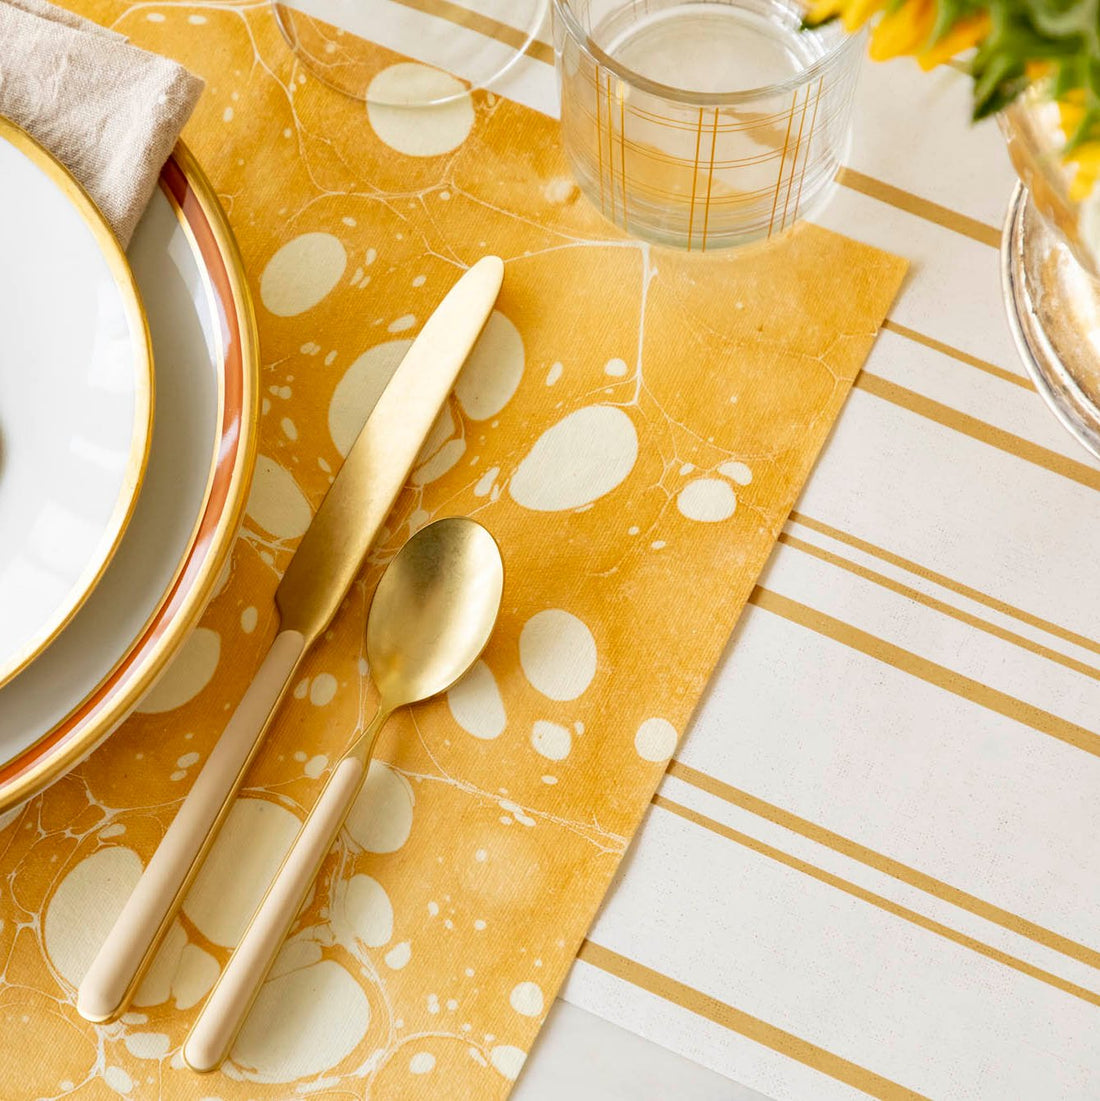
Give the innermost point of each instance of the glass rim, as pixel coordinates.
(285, 11)
(846, 42)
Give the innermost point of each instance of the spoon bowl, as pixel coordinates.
(433, 610)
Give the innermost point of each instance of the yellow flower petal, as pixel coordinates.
(822, 10)
(964, 35)
(856, 12)
(1084, 179)
(902, 31)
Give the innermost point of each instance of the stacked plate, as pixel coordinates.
(128, 412)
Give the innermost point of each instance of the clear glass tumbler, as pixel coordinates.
(703, 123)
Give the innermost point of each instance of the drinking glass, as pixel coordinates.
(703, 123)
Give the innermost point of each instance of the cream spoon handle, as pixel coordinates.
(225, 1011)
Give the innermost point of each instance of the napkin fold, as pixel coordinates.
(110, 112)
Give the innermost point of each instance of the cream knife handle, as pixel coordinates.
(132, 942)
(220, 1019)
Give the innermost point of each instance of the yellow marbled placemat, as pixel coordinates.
(633, 428)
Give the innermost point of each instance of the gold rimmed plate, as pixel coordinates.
(76, 397)
(191, 502)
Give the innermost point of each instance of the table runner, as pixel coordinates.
(633, 428)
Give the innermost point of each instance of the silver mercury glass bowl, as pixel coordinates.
(1050, 269)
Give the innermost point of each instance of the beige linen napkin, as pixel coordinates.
(110, 112)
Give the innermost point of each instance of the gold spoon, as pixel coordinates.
(431, 616)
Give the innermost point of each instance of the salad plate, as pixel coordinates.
(76, 397)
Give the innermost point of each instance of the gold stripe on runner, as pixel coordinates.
(929, 671)
(885, 864)
(880, 901)
(946, 582)
(979, 430)
(736, 1020)
(923, 208)
(957, 353)
(938, 605)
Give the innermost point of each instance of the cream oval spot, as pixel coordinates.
(393, 108)
(561, 189)
(558, 654)
(493, 371)
(422, 1063)
(315, 766)
(655, 740)
(233, 878)
(508, 1060)
(362, 911)
(359, 388)
(400, 324)
(551, 740)
(298, 952)
(276, 503)
(118, 1079)
(304, 1022)
(707, 499)
(188, 674)
(486, 482)
(736, 472)
(196, 974)
(322, 689)
(381, 817)
(249, 618)
(147, 1045)
(398, 955)
(526, 998)
(476, 703)
(84, 907)
(301, 273)
(616, 368)
(577, 461)
(156, 985)
(443, 428)
(438, 465)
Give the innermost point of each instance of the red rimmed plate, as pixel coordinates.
(191, 503)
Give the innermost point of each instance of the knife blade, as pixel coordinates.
(323, 567)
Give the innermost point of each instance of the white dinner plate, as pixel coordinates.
(75, 397)
(191, 502)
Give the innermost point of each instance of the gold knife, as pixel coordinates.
(324, 565)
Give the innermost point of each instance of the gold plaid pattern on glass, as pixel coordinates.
(708, 168)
